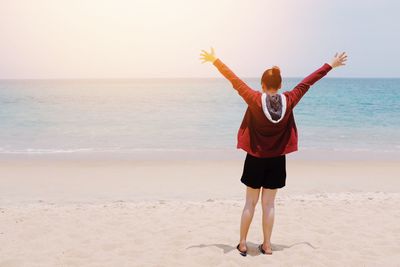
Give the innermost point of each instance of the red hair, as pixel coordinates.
(272, 77)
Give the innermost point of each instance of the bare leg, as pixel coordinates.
(268, 211)
(252, 196)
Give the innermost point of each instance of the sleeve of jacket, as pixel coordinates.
(249, 95)
(300, 89)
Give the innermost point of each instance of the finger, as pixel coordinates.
(342, 54)
(212, 50)
(336, 54)
(205, 52)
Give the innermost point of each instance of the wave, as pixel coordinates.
(396, 149)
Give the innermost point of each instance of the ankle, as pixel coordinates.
(267, 243)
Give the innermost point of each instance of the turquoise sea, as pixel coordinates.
(161, 115)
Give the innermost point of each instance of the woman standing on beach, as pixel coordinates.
(267, 133)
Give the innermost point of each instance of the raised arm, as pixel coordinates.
(249, 95)
(300, 89)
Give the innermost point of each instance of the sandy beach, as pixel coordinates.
(125, 126)
(165, 213)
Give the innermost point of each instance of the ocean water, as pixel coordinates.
(155, 115)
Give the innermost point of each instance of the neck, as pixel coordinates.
(271, 91)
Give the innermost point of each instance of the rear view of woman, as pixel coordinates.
(267, 133)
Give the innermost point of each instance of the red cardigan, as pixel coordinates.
(259, 136)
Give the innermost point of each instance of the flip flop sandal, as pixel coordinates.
(262, 250)
(243, 253)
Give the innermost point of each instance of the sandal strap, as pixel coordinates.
(261, 249)
(240, 250)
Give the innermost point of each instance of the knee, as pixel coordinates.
(268, 203)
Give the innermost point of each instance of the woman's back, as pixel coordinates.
(259, 134)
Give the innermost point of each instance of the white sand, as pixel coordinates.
(187, 213)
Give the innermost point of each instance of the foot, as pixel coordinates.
(242, 248)
(265, 248)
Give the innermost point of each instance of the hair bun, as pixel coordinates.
(276, 70)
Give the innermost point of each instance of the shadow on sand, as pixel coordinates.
(252, 247)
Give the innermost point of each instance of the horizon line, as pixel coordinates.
(193, 77)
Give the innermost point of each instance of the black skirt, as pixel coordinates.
(264, 172)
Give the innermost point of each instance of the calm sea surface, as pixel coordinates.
(132, 116)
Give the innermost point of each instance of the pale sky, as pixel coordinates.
(163, 38)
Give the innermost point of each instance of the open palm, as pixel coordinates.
(208, 57)
(339, 60)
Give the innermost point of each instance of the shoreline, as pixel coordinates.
(59, 180)
(202, 155)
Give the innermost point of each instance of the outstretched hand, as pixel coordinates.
(208, 57)
(339, 60)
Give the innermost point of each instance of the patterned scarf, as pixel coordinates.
(274, 106)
